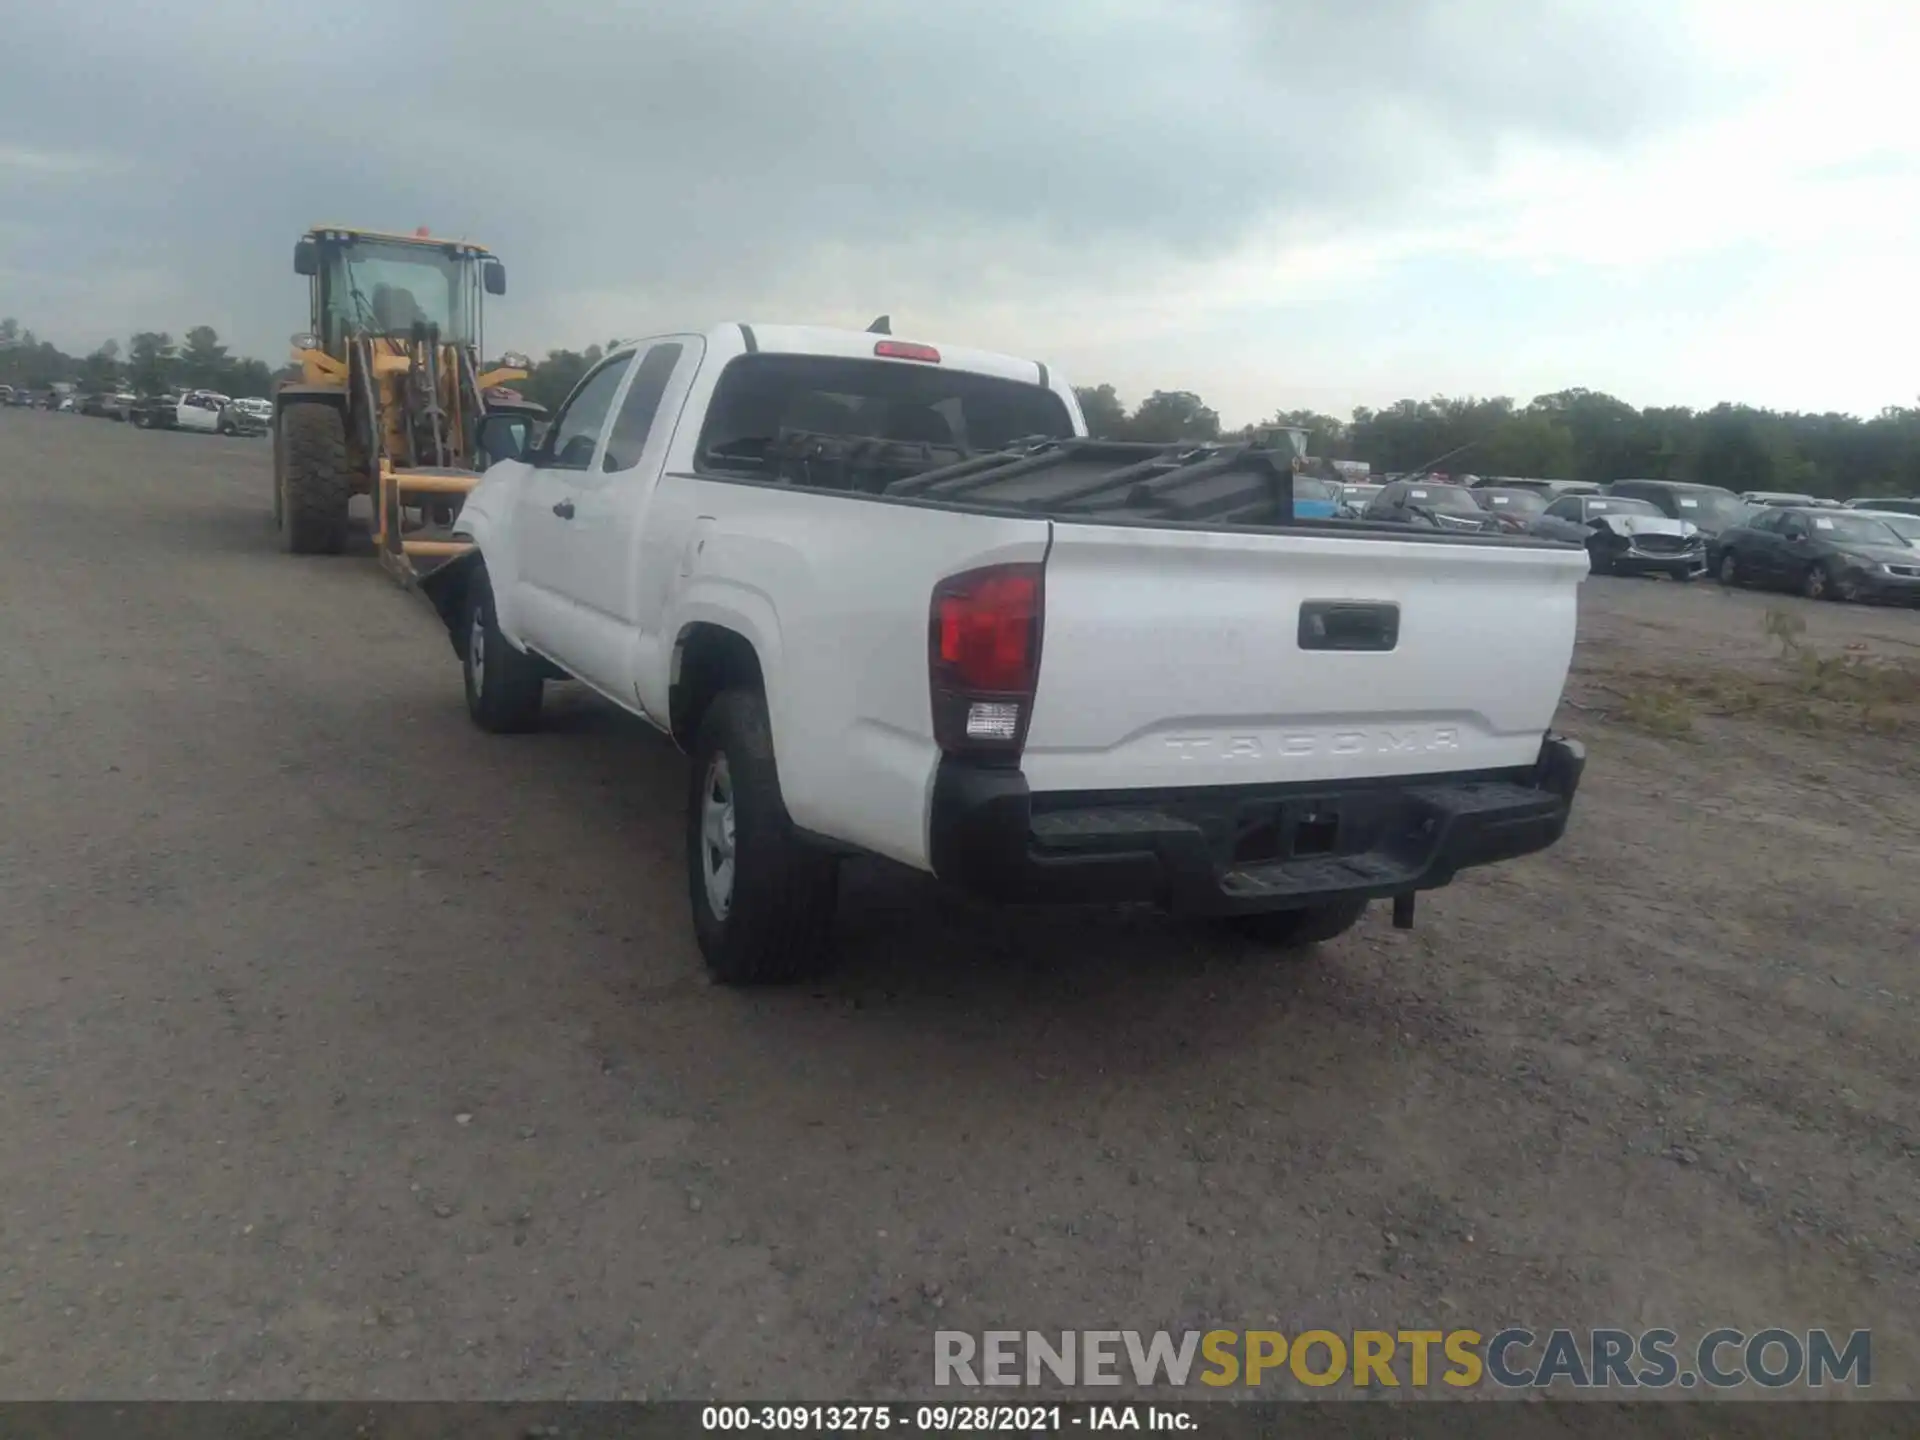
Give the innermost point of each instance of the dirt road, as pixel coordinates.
(345, 1051)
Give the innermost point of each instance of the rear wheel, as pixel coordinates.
(504, 686)
(1300, 929)
(313, 479)
(1730, 575)
(763, 898)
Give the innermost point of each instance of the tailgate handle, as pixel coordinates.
(1349, 625)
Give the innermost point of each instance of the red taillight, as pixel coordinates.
(984, 657)
(905, 350)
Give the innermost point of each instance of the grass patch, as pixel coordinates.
(1799, 687)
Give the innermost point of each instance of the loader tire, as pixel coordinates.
(313, 480)
(763, 898)
(504, 686)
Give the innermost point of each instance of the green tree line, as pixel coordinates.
(1575, 435)
(152, 362)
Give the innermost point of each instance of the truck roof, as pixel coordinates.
(860, 344)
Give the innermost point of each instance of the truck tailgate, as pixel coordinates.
(1193, 658)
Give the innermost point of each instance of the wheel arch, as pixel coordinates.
(710, 657)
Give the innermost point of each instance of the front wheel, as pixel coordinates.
(313, 479)
(1300, 929)
(504, 686)
(1815, 584)
(763, 898)
(1730, 575)
(1600, 562)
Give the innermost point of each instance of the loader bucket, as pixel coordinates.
(408, 556)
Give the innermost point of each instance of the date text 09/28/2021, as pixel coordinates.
(939, 1419)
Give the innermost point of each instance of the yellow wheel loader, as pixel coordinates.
(390, 395)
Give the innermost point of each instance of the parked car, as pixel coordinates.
(828, 563)
(1889, 503)
(1625, 536)
(1514, 508)
(155, 412)
(1823, 554)
(1707, 506)
(1440, 507)
(247, 416)
(200, 410)
(1355, 496)
(1776, 497)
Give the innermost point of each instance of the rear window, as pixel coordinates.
(1530, 502)
(1442, 497)
(1621, 505)
(761, 399)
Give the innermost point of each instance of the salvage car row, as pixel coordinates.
(207, 411)
(1864, 549)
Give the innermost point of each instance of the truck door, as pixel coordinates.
(196, 412)
(609, 583)
(549, 501)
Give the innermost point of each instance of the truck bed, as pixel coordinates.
(1214, 486)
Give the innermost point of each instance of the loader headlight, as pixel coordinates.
(305, 341)
(514, 360)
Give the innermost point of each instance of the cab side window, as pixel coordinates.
(640, 407)
(576, 430)
(1568, 509)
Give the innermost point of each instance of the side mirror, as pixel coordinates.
(504, 437)
(493, 275)
(306, 258)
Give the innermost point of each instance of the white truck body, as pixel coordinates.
(1173, 660)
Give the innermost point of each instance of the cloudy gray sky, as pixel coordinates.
(1277, 203)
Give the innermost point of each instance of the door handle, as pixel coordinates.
(564, 509)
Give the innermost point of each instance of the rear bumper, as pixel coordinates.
(1241, 850)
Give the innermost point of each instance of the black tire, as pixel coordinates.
(142, 422)
(775, 922)
(279, 469)
(504, 686)
(1816, 584)
(1600, 563)
(1729, 572)
(313, 479)
(1300, 929)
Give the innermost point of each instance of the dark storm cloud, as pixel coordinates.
(690, 148)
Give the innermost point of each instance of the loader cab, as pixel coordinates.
(367, 283)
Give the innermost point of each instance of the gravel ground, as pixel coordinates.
(345, 1051)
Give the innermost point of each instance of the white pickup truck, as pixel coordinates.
(892, 602)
